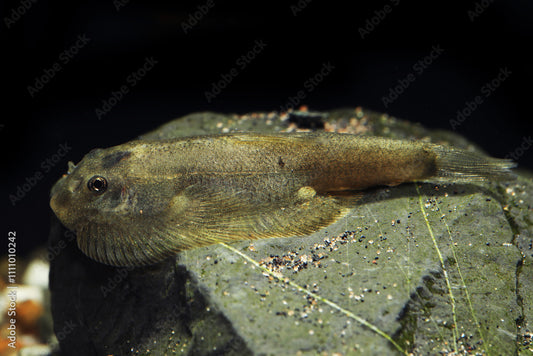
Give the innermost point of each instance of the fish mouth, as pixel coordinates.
(59, 207)
(56, 188)
(55, 193)
(54, 203)
(61, 199)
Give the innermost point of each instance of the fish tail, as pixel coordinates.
(470, 166)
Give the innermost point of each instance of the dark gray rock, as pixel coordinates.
(462, 280)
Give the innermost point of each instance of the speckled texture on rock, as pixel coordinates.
(380, 263)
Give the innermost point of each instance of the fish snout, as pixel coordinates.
(54, 204)
(61, 205)
(61, 200)
(58, 207)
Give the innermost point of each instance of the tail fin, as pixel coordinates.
(469, 166)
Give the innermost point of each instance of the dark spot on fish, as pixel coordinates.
(94, 152)
(281, 163)
(116, 197)
(111, 160)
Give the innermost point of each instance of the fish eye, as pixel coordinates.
(97, 184)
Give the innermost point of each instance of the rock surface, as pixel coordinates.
(416, 268)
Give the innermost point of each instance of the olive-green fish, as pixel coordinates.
(140, 202)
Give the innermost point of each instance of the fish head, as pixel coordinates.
(112, 203)
(94, 191)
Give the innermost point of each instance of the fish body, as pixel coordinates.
(140, 202)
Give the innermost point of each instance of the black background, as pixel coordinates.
(476, 47)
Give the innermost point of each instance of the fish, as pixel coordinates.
(141, 202)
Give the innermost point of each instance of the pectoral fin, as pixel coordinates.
(222, 217)
(199, 217)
